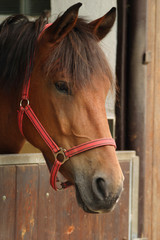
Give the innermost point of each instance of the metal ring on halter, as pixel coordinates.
(60, 155)
(24, 102)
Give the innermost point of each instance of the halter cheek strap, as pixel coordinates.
(60, 155)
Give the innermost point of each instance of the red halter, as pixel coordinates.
(61, 155)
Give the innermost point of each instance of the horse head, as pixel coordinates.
(69, 83)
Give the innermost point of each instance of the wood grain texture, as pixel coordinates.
(26, 202)
(149, 134)
(156, 154)
(33, 211)
(152, 157)
(7, 202)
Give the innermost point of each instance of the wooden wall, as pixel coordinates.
(152, 136)
(138, 68)
(31, 210)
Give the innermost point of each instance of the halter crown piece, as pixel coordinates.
(61, 155)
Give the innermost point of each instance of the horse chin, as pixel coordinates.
(81, 202)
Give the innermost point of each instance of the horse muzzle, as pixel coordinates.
(99, 196)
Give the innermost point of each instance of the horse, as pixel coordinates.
(65, 77)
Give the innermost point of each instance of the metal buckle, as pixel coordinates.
(60, 156)
(24, 102)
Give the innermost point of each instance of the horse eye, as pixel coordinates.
(63, 87)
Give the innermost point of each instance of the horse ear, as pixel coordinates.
(63, 25)
(102, 26)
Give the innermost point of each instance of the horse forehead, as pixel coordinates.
(92, 98)
(97, 87)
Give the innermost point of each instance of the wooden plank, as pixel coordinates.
(18, 159)
(26, 202)
(145, 223)
(46, 206)
(7, 202)
(152, 176)
(156, 155)
(134, 191)
(41, 213)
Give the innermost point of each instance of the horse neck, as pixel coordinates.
(11, 140)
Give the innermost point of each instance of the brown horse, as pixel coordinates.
(69, 81)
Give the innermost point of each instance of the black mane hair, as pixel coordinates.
(18, 38)
(78, 55)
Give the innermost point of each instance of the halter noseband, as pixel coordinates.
(60, 155)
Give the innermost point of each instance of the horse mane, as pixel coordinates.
(18, 38)
(78, 55)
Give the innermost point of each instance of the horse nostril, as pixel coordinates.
(99, 186)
